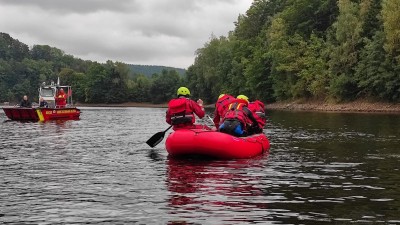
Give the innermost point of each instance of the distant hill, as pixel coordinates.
(23, 69)
(149, 70)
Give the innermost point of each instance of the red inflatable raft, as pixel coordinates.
(215, 144)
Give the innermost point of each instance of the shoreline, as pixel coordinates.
(318, 106)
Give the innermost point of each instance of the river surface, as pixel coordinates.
(323, 168)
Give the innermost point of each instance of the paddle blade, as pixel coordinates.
(156, 139)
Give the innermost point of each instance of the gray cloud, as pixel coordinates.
(155, 32)
(76, 6)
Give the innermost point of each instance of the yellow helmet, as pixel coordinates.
(183, 91)
(244, 97)
(220, 96)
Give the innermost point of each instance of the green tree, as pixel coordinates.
(96, 84)
(117, 82)
(139, 89)
(12, 49)
(209, 76)
(391, 26)
(164, 86)
(76, 80)
(346, 46)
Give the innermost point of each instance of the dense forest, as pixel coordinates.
(149, 70)
(23, 69)
(329, 50)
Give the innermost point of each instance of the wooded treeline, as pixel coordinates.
(149, 70)
(22, 70)
(331, 50)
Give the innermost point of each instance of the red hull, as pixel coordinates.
(60, 114)
(42, 114)
(21, 113)
(215, 144)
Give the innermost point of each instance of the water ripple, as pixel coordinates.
(322, 169)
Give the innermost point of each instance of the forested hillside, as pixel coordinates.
(149, 70)
(22, 70)
(331, 50)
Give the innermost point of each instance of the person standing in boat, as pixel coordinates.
(43, 103)
(258, 111)
(238, 118)
(61, 99)
(221, 107)
(25, 102)
(182, 110)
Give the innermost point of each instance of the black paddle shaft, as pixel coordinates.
(157, 138)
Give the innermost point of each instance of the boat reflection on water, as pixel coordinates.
(216, 188)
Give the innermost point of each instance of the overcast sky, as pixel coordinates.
(149, 32)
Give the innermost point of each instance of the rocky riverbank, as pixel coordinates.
(355, 106)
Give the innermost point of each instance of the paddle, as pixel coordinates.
(212, 121)
(157, 138)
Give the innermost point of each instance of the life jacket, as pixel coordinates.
(180, 111)
(61, 94)
(221, 107)
(257, 108)
(236, 111)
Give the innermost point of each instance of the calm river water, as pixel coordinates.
(323, 168)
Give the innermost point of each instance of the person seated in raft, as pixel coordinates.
(25, 102)
(182, 110)
(43, 103)
(221, 107)
(238, 118)
(258, 111)
(61, 99)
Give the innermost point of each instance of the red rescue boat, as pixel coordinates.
(41, 114)
(55, 109)
(209, 143)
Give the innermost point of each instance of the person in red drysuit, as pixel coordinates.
(182, 110)
(61, 99)
(257, 108)
(238, 118)
(221, 107)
